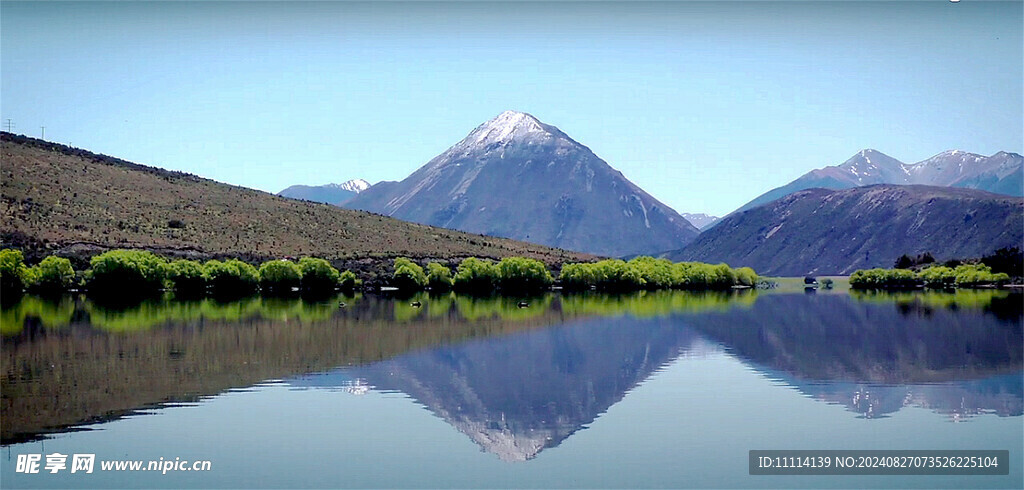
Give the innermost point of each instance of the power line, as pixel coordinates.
(10, 125)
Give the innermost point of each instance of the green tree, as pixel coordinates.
(657, 273)
(884, 279)
(12, 270)
(135, 271)
(938, 276)
(187, 276)
(617, 275)
(439, 277)
(231, 277)
(523, 274)
(52, 275)
(904, 262)
(972, 275)
(476, 276)
(745, 276)
(348, 281)
(576, 277)
(408, 275)
(280, 275)
(318, 274)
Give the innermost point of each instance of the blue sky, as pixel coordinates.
(704, 105)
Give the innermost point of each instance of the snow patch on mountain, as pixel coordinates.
(354, 185)
(700, 220)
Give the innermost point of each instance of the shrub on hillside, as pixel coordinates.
(523, 274)
(408, 275)
(476, 276)
(318, 274)
(52, 275)
(280, 275)
(439, 277)
(12, 270)
(348, 282)
(126, 270)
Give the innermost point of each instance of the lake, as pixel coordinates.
(652, 389)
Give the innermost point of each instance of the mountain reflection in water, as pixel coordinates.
(517, 395)
(514, 380)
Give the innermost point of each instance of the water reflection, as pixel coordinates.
(514, 379)
(516, 396)
(999, 395)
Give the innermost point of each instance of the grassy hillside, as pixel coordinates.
(58, 199)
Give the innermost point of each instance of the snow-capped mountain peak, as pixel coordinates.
(510, 126)
(701, 220)
(354, 185)
(516, 177)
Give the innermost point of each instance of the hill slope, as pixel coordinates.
(57, 198)
(1000, 173)
(336, 194)
(821, 231)
(517, 177)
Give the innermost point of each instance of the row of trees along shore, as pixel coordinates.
(140, 271)
(516, 274)
(936, 276)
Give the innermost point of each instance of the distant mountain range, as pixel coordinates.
(822, 231)
(1000, 173)
(517, 177)
(336, 194)
(701, 220)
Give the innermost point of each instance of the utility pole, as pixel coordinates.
(10, 125)
(42, 130)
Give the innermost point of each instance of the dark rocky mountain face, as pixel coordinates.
(336, 194)
(820, 231)
(1000, 173)
(515, 176)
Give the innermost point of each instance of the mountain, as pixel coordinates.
(577, 371)
(822, 231)
(700, 220)
(336, 194)
(519, 178)
(58, 199)
(1000, 173)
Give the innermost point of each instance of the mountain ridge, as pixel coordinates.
(336, 194)
(1000, 173)
(826, 231)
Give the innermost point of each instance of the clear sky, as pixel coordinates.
(704, 105)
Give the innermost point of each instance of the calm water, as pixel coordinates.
(645, 390)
